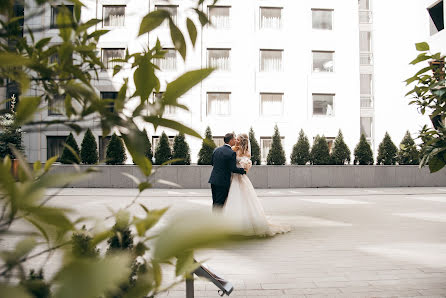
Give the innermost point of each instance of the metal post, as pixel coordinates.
(190, 287)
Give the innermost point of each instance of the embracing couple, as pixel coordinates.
(232, 191)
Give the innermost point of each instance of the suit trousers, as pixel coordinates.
(219, 195)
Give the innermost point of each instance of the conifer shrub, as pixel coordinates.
(115, 154)
(10, 134)
(207, 148)
(148, 147)
(387, 152)
(255, 148)
(340, 154)
(320, 154)
(363, 152)
(276, 155)
(181, 150)
(408, 153)
(89, 149)
(162, 150)
(67, 155)
(301, 150)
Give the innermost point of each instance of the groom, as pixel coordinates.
(224, 163)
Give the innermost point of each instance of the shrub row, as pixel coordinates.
(302, 153)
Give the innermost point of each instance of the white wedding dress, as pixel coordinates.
(244, 208)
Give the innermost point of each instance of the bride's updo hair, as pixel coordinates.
(243, 146)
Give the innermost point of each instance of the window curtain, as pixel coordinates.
(365, 39)
(114, 16)
(172, 9)
(322, 19)
(270, 18)
(271, 61)
(366, 84)
(323, 104)
(271, 104)
(218, 104)
(169, 62)
(111, 54)
(219, 59)
(220, 17)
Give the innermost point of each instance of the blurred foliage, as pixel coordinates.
(66, 66)
(429, 95)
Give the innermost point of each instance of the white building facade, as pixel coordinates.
(319, 65)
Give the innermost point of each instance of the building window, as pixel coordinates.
(219, 59)
(436, 17)
(55, 11)
(220, 16)
(365, 15)
(364, 4)
(56, 105)
(366, 126)
(323, 61)
(265, 145)
(103, 144)
(173, 11)
(271, 60)
(270, 17)
(218, 104)
(271, 104)
(169, 62)
(365, 41)
(110, 96)
(113, 15)
(156, 140)
(54, 146)
(330, 143)
(323, 104)
(168, 109)
(219, 141)
(108, 55)
(366, 84)
(322, 19)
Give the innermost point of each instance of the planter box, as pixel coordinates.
(288, 176)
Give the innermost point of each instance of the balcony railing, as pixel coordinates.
(366, 101)
(366, 58)
(365, 17)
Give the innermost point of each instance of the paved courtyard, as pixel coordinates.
(344, 243)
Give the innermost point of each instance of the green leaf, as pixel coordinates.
(152, 20)
(92, 278)
(21, 250)
(49, 163)
(8, 59)
(177, 39)
(185, 260)
(7, 290)
(192, 31)
(134, 179)
(157, 273)
(26, 109)
(43, 42)
(144, 78)
(422, 46)
(184, 83)
(157, 121)
(116, 69)
(144, 224)
(435, 164)
(37, 166)
(52, 216)
(143, 186)
(420, 58)
(39, 227)
(202, 17)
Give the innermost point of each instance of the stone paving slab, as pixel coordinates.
(388, 242)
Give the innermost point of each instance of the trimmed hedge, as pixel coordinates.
(387, 152)
(181, 150)
(301, 150)
(340, 154)
(320, 154)
(162, 151)
(115, 154)
(67, 155)
(408, 153)
(89, 149)
(207, 148)
(363, 153)
(255, 148)
(276, 155)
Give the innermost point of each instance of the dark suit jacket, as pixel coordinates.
(224, 162)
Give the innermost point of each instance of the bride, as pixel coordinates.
(242, 204)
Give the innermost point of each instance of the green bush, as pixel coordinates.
(115, 154)
(408, 153)
(181, 150)
(122, 239)
(320, 154)
(276, 155)
(148, 147)
(340, 154)
(89, 149)
(67, 155)
(10, 135)
(35, 285)
(162, 151)
(301, 150)
(363, 153)
(387, 152)
(82, 245)
(207, 148)
(255, 148)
